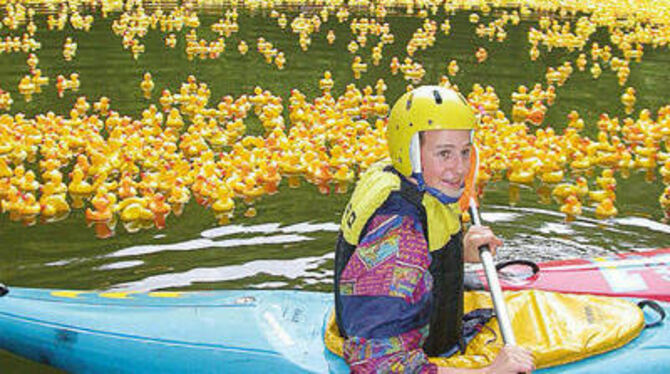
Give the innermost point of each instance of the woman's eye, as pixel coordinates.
(445, 154)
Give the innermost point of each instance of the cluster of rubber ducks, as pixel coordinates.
(270, 53)
(558, 165)
(150, 167)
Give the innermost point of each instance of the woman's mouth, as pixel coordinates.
(452, 185)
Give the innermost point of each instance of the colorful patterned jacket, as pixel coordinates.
(386, 293)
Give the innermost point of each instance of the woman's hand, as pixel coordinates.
(475, 237)
(512, 359)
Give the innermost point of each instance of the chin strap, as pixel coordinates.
(439, 195)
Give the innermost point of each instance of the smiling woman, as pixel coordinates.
(399, 258)
(445, 158)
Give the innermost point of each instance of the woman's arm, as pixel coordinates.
(385, 292)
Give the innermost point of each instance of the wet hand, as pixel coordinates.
(475, 237)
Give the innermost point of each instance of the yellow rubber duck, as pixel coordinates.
(574, 121)
(571, 207)
(343, 176)
(534, 52)
(5, 170)
(147, 85)
(171, 40)
(596, 70)
(102, 208)
(536, 113)
(453, 68)
(28, 209)
(665, 172)
(606, 209)
(102, 106)
(581, 62)
(224, 204)
(664, 200)
(160, 209)
(481, 55)
(69, 49)
(5, 100)
(39, 80)
(600, 195)
(54, 205)
(27, 88)
(280, 60)
(179, 197)
(358, 67)
(79, 188)
(628, 100)
(29, 184)
(606, 179)
(394, 65)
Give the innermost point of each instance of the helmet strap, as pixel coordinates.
(439, 195)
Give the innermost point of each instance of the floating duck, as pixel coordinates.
(5, 100)
(572, 208)
(628, 100)
(242, 47)
(79, 188)
(581, 62)
(574, 121)
(69, 49)
(280, 60)
(664, 200)
(223, 205)
(606, 179)
(160, 210)
(134, 214)
(606, 209)
(453, 68)
(481, 55)
(27, 88)
(147, 85)
(597, 196)
(664, 170)
(171, 41)
(596, 70)
(28, 209)
(358, 67)
(102, 106)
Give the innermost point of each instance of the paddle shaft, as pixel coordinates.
(494, 284)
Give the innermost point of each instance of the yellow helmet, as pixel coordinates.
(422, 109)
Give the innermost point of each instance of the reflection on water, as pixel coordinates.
(529, 233)
(206, 243)
(304, 268)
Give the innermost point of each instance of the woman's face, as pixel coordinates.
(445, 159)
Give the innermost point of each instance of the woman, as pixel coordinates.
(400, 253)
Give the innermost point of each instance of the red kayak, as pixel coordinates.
(633, 274)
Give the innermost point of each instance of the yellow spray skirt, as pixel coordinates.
(557, 328)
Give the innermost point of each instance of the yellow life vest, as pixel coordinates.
(372, 190)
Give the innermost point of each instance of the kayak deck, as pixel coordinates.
(217, 331)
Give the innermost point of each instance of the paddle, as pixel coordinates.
(494, 284)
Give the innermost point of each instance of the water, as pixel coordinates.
(290, 243)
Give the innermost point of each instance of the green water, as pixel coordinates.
(270, 251)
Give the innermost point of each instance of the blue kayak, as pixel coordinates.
(218, 331)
